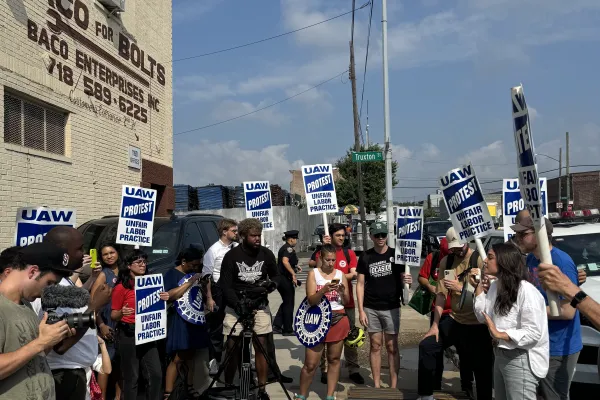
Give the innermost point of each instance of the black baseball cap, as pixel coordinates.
(47, 256)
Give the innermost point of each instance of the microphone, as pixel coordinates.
(56, 296)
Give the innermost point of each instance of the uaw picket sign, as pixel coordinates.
(190, 306)
(136, 219)
(258, 203)
(512, 203)
(150, 310)
(33, 223)
(526, 159)
(312, 323)
(409, 235)
(319, 188)
(465, 203)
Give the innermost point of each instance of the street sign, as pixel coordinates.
(367, 156)
(559, 204)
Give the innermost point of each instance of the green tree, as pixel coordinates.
(373, 174)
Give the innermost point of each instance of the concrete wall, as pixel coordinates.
(286, 218)
(45, 67)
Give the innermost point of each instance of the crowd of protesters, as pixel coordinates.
(507, 341)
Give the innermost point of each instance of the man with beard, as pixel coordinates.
(565, 330)
(243, 270)
(471, 338)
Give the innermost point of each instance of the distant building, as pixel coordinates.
(435, 201)
(585, 191)
(297, 184)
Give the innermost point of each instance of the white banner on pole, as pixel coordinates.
(259, 205)
(512, 203)
(409, 235)
(150, 310)
(319, 188)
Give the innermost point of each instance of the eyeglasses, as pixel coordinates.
(141, 261)
(523, 234)
(380, 236)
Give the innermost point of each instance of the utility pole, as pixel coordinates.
(560, 175)
(367, 129)
(568, 174)
(386, 130)
(361, 194)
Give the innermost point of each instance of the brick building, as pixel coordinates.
(297, 184)
(585, 191)
(86, 94)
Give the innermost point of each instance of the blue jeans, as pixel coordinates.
(513, 378)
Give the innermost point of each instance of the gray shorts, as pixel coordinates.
(387, 321)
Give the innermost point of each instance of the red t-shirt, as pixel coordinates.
(124, 297)
(342, 265)
(425, 271)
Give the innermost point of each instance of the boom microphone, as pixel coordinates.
(56, 296)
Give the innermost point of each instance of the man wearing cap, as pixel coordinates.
(471, 338)
(287, 262)
(69, 359)
(564, 330)
(24, 372)
(379, 291)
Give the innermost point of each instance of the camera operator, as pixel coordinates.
(69, 359)
(24, 372)
(242, 271)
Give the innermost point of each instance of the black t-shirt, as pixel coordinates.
(286, 251)
(243, 268)
(383, 279)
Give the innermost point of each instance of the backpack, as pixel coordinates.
(435, 259)
(473, 263)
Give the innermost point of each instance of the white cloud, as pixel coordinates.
(315, 99)
(533, 113)
(227, 163)
(230, 109)
(430, 150)
(203, 88)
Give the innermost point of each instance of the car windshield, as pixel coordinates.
(583, 249)
(438, 228)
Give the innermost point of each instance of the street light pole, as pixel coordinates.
(560, 175)
(386, 131)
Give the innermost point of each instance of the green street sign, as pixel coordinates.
(367, 156)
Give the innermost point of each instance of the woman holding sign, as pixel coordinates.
(330, 282)
(134, 357)
(185, 336)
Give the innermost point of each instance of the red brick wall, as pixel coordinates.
(160, 177)
(585, 191)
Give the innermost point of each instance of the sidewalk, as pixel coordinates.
(290, 357)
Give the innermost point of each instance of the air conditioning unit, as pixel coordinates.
(113, 5)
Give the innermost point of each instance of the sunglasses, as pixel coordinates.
(380, 236)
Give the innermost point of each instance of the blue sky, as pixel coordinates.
(452, 64)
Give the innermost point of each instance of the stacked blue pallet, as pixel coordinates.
(211, 197)
(185, 198)
(238, 197)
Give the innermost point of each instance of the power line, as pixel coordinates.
(269, 38)
(366, 61)
(260, 109)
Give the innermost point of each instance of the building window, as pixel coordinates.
(34, 125)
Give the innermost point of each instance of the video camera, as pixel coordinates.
(251, 300)
(54, 297)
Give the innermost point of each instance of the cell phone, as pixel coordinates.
(94, 255)
(450, 275)
(335, 281)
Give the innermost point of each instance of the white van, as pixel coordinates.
(582, 242)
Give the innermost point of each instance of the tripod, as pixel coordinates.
(244, 340)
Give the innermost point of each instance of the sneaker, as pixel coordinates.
(213, 367)
(357, 378)
(470, 393)
(277, 330)
(262, 395)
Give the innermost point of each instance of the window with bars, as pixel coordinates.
(34, 125)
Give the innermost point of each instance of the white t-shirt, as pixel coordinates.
(214, 258)
(334, 296)
(83, 353)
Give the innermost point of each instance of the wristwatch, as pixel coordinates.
(578, 298)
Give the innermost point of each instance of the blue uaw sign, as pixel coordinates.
(526, 158)
(512, 203)
(409, 235)
(258, 203)
(465, 203)
(319, 188)
(190, 306)
(136, 218)
(312, 322)
(33, 223)
(150, 310)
